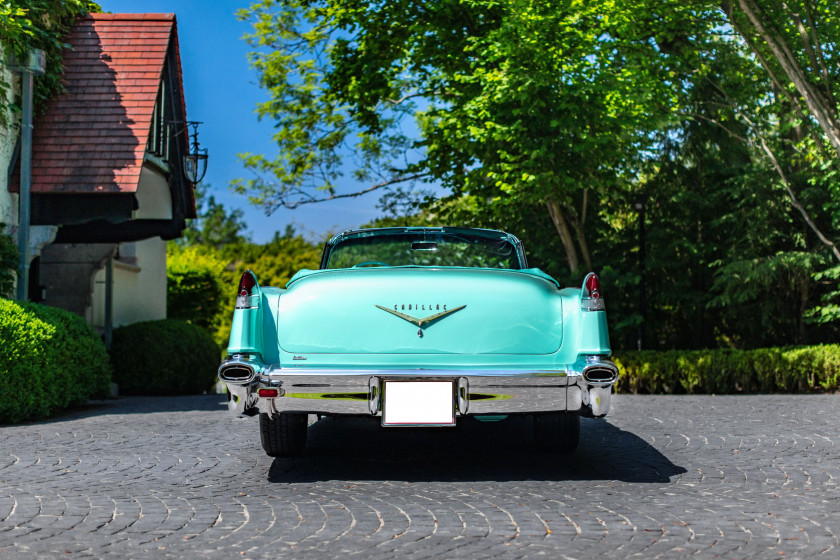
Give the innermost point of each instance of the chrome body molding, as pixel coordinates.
(584, 387)
(424, 321)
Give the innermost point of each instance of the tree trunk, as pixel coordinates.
(562, 227)
(584, 248)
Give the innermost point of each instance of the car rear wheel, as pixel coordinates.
(557, 432)
(283, 435)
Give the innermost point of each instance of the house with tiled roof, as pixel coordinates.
(108, 188)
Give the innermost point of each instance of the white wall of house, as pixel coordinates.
(139, 285)
(154, 202)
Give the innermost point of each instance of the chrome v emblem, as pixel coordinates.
(425, 321)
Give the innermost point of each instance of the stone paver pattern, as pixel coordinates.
(660, 477)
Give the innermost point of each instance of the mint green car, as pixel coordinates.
(419, 327)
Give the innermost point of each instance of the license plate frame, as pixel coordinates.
(413, 403)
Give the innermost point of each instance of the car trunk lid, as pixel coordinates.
(417, 310)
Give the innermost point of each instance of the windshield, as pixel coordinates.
(424, 247)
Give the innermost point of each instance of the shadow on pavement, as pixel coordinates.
(137, 405)
(360, 449)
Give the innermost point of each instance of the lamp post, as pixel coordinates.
(34, 64)
(640, 208)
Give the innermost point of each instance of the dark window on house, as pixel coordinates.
(158, 143)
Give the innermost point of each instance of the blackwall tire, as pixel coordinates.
(557, 432)
(283, 435)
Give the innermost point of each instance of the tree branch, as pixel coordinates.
(815, 37)
(305, 197)
(814, 100)
(804, 37)
(793, 200)
(410, 95)
(775, 162)
(716, 123)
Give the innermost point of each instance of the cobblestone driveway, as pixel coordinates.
(728, 477)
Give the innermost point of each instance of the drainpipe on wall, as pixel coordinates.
(34, 64)
(109, 302)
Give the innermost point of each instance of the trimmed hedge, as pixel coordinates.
(52, 359)
(166, 357)
(194, 286)
(764, 370)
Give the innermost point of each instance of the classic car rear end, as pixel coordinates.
(419, 326)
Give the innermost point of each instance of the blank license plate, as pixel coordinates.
(418, 403)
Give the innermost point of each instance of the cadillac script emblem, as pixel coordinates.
(424, 321)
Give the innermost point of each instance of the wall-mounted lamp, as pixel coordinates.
(195, 162)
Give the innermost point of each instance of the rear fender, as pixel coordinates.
(246, 332)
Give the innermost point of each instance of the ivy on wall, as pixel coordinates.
(39, 24)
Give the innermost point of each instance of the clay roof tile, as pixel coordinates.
(92, 137)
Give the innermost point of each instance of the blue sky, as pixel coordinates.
(221, 90)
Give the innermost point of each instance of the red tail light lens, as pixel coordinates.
(593, 286)
(247, 283)
(269, 393)
(247, 287)
(590, 296)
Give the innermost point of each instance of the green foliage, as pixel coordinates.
(829, 309)
(215, 226)
(544, 117)
(764, 370)
(165, 357)
(729, 262)
(274, 263)
(38, 24)
(9, 260)
(794, 41)
(194, 288)
(51, 359)
(521, 101)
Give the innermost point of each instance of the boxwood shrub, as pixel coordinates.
(764, 370)
(165, 357)
(51, 359)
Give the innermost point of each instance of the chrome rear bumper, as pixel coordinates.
(583, 387)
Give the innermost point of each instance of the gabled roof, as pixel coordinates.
(92, 138)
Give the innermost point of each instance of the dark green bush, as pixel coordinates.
(166, 357)
(764, 370)
(194, 286)
(8, 262)
(51, 359)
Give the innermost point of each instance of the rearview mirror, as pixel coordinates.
(424, 246)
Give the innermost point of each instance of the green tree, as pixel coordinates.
(730, 260)
(557, 117)
(214, 226)
(795, 41)
(550, 105)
